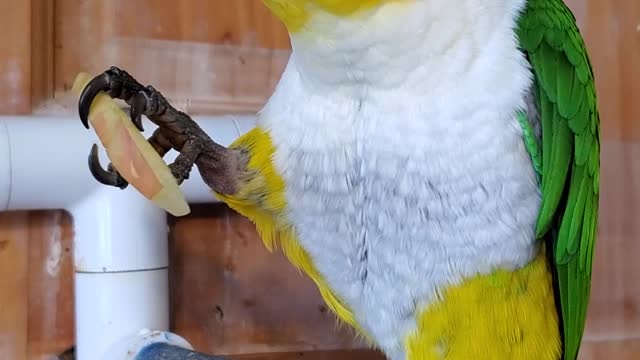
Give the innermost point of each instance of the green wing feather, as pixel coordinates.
(570, 151)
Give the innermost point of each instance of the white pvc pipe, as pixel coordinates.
(120, 245)
(5, 166)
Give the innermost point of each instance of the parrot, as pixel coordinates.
(431, 165)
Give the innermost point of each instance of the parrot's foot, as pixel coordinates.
(176, 130)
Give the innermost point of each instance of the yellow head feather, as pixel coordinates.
(295, 13)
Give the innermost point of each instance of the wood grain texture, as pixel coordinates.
(615, 301)
(612, 32)
(42, 44)
(625, 349)
(205, 56)
(26, 55)
(14, 287)
(36, 301)
(15, 57)
(51, 312)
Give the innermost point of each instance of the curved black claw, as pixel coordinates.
(138, 107)
(106, 177)
(93, 88)
(116, 83)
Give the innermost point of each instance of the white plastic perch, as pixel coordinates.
(120, 245)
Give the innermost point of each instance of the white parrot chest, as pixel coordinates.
(402, 185)
(395, 205)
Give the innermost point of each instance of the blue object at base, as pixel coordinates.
(163, 351)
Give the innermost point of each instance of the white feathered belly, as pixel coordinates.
(393, 209)
(406, 170)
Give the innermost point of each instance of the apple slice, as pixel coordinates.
(131, 154)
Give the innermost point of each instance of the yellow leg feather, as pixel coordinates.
(506, 315)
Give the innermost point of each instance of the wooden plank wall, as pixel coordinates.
(15, 58)
(36, 268)
(206, 56)
(612, 32)
(228, 294)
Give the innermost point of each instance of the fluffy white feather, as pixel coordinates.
(404, 163)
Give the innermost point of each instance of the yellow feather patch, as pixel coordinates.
(506, 315)
(295, 13)
(261, 199)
